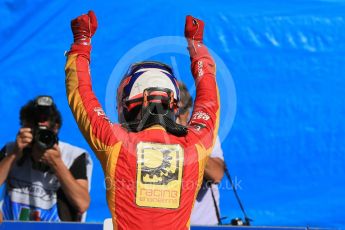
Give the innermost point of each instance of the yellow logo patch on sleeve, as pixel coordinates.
(159, 175)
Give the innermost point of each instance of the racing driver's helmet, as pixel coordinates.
(149, 91)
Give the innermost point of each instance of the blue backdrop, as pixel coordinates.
(281, 70)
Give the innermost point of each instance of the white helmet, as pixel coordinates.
(148, 87)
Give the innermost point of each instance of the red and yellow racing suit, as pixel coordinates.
(152, 176)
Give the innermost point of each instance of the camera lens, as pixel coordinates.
(45, 138)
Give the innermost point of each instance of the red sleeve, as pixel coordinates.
(205, 117)
(97, 129)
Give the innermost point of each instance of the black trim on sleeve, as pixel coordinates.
(65, 209)
(3, 153)
(78, 168)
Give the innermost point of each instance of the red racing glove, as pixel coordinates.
(202, 62)
(194, 33)
(194, 29)
(84, 27)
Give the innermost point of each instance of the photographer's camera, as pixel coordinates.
(43, 135)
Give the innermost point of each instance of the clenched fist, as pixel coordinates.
(194, 29)
(84, 27)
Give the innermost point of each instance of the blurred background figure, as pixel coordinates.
(45, 179)
(206, 208)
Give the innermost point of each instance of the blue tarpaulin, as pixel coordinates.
(280, 67)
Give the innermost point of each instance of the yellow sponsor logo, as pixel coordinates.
(159, 175)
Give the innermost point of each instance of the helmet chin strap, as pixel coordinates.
(157, 113)
(157, 119)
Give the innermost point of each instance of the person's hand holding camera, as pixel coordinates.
(23, 139)
(51, 157)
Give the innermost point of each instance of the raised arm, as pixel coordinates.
(205, 116)
(87, 111)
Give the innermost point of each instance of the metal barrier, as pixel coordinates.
(10, 225)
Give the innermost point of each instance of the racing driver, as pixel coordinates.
(153, 166)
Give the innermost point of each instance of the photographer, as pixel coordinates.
(46, 179)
